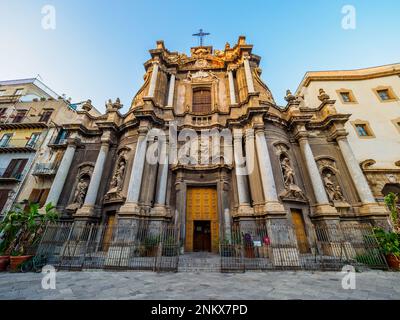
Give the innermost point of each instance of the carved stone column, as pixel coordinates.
(231, 87)
(322, 202)
(171, 91)
(241, 173)
(249, 76)
(153, 80)
(162, 179)
(360, 182)
(62, 172)
(91, 195)
(272, 203)
(135, 180)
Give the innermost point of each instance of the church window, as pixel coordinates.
(201, 100)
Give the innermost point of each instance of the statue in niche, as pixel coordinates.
(292, 190)
(117, 181)
(80, 192)
(332, 189)
(288, 172)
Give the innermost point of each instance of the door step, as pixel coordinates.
(199, 262)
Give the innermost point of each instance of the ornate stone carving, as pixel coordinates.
(201, 63)
(292, 190)
(323, 96)
(117, 179)
(87, 106)
(82, 185)
(289, 96)
(332, 187)
(200, 75)
(113, 106)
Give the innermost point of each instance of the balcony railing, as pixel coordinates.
(27, 119)
(44, 169)
(18, 143)
(58, 142)
(12, 176)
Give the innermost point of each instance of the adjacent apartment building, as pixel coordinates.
(371, 97)
(31, 139)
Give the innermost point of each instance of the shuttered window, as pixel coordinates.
(45, 116)
(15, 168)
(201, 100)
(3, 198)
(19, 117)
(39, 196)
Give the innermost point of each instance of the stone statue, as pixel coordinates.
(334, 191)
(80, 192)
(292, 190)
(117, 179)
(288, 172)
(289, 96)
(323, 96)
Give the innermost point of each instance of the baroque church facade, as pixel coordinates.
(225, 155)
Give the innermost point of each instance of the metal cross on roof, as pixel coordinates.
(201, 35)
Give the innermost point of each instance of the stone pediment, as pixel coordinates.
(209, 62)
(200, 75)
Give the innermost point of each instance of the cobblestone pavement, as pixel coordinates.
(250, 285)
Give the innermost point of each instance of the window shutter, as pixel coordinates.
(35, 195)
(3, 198)
(21, 166)
(202, 100)
(10, 169)
(43, 197)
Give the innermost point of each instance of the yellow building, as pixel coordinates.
(31, 115)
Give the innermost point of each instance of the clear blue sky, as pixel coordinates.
(98, 48)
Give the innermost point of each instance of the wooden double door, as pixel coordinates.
(202, 224)
(300, 230)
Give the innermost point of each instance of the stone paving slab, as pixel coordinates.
(213, 286)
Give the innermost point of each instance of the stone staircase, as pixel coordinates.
(199, 262)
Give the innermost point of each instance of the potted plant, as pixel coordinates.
(22, 229)
(390, 244)
(151, 245)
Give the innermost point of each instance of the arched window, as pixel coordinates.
(201, 100)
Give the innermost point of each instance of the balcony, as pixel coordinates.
(26, 122)
(58, 143)
(44, 169)
(13, 177)
(18, 145)
(10, 98)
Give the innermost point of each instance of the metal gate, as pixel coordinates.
(77, 246)
(277, 248)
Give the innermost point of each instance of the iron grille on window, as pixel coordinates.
(201, 100)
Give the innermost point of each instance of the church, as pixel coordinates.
(205, 148)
